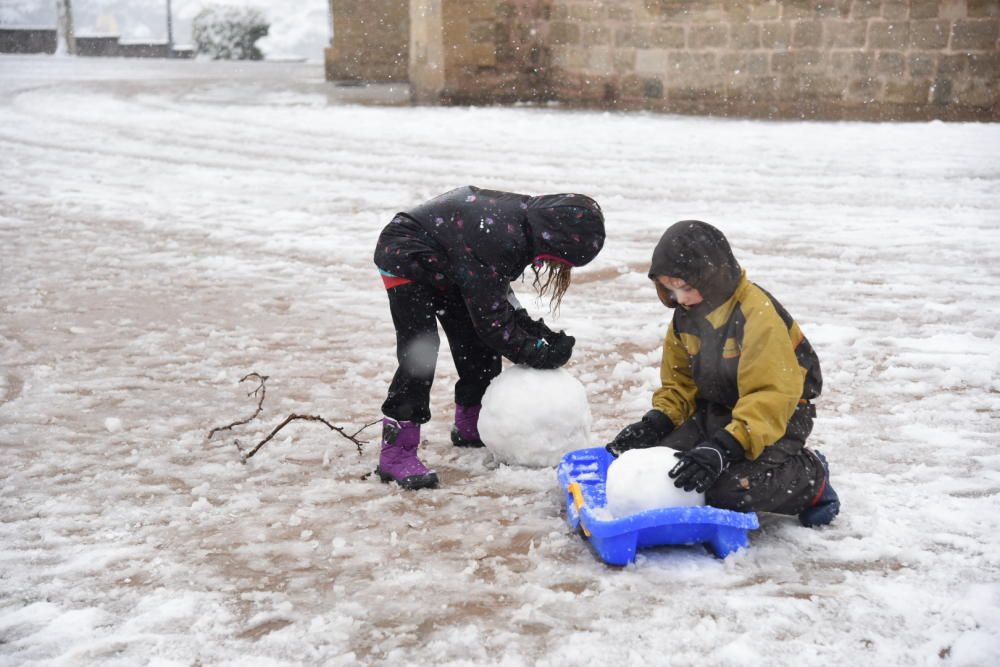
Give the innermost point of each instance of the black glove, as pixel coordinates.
(648, 432)
(699, 468)
(534, 328)
(559, 338)
(553, 355)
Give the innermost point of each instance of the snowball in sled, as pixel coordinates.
(532, 417)
(637, 481)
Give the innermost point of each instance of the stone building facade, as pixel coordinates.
(372, 43)
(859, 59)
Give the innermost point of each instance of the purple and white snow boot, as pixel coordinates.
(398, 462)
(465, 433)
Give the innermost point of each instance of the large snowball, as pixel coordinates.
(532, 417)
(637, 481)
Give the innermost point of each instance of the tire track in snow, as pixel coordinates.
(545, 163)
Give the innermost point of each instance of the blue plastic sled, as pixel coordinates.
(583, 473)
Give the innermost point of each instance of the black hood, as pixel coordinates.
(566, 226)
(698, 253)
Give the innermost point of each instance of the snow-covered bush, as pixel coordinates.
(229, 33)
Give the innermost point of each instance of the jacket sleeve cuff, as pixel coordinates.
(725, 441)
(660, 422)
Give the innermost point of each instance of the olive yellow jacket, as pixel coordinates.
(748, 355)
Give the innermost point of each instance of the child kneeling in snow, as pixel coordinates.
(452, 259)
(737, 379)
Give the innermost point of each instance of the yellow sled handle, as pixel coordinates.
(574, 490)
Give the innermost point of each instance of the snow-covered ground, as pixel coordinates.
(166, 228)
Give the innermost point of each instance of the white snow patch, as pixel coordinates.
(637, 481)
(532, 417)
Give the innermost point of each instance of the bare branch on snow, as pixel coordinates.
(260, 404)
(247, 453)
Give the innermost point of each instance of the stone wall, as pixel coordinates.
(468, 51)
(863, 59)
(371, 40)
(27, 40)
(97, 45)
(876, 59)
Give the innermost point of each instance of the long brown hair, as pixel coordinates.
(552, 277)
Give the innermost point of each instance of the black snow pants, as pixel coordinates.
(784, 479)
(416, 308)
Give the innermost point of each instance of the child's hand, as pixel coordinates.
(647, 432)
(634, 436)
(554, 354)
(699, 468)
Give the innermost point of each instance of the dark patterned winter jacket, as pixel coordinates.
(739, 348)
(480, 240)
